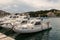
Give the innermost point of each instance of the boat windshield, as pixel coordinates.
(37, 23)
(13, 16)
(24, 22)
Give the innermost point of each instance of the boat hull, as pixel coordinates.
(32, 30)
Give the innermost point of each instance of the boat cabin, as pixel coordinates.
(35, 22)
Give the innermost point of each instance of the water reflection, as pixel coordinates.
(35, 36)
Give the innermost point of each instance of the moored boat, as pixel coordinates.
(34, 25)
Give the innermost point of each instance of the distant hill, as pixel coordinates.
(3, 13)
(43, 13)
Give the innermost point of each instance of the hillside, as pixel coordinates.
(43, 13)
(3, 13)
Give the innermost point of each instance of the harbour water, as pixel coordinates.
(52, 34)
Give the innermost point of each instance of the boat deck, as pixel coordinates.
(5, 37)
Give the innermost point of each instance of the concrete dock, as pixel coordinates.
(5, 37)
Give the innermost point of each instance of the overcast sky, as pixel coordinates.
(28, 5)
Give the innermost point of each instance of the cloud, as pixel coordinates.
(15, 5)
(39, 3)
(28, 5)
(42, 4)
(4, 2)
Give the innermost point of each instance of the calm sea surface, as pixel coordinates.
(53, 34)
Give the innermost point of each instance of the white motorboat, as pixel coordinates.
(31, 26)
(8, 19)
(21, 24)
(12, 17)
(10, 23)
